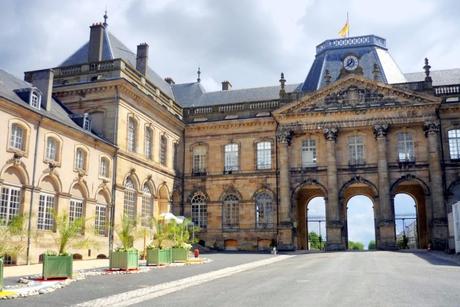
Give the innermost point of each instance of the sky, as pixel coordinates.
(248, 42)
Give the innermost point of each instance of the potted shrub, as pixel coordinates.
(125, 257)
(181, 240)
(68, 234)
(13, 237)
(159, 254)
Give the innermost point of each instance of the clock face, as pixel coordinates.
(350, 62)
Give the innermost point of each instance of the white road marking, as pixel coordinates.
(145, 294)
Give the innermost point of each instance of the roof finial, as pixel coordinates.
(282, 85)
(427, 68)
(199, 74)
(105, 18)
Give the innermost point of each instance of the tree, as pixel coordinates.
(316, 242)
(371, 245)
(355, 246)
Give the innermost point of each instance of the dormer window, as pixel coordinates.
(35, 99)
(86, 122)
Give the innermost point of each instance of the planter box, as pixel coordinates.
(124, 260)
(179, 254)
(57, 266)
(1, 274)
(158, 256)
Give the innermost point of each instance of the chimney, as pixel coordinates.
(96, 37)
(170, 81)
(43, 80)
(142, 57)
(226, 86)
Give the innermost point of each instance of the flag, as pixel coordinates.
(345, 29)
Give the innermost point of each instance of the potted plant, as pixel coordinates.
(68, 234)
(157, 252)
(125, 257)
(181, 240)
(12, 240)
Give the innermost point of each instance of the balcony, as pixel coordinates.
(230, 170)
(358, 162)
(405, 161)
(199, 172)
(230, 227)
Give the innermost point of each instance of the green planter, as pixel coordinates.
(179, 254)
(156, 256)
(128, 260)
(57, 266)
(1, 274)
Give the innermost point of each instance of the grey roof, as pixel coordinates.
(440, 77)
(193, 94)
(9, 84)
(113, 48)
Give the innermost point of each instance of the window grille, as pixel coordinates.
(264, 210)
(9, 204)
(454, 143)
(231, 157)
(199, 210)
(230, 213)
(45, 208)
(264, 155)
(130, 200)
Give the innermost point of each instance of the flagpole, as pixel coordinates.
(348, 22)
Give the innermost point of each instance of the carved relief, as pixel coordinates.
(331, 133)
(284, 135)
(431, 127)
(381, 130)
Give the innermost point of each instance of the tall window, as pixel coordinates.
(76, 209)
(104, 167)
(35, 100)
(147, 205)
(45, 208)
(405, 147)
(230, 212)
(264, 210)
(148, 141)
(80, 159)
(163, 150)
(51, 149)
(199, 210)
(356, 150)
(9, 204)
(132, 131)
(199, 159)
(308, 153)
(100, 219)
(231, 157)
(264, 155)
(454, 143)
(17, 137)
(130, 200)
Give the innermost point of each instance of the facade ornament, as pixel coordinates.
(381, 130)
(282, 85)
(198, 79)
(327, 77)
(427, 68)
(285, 135)
(431, 127)
(331, 133)
(376, 72)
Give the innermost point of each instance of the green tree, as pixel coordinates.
(371, 245)
(355, 246)
(316, 242)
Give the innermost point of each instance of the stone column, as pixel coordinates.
(385, 220)
(334, 225)
(439, 217)
(285, 239)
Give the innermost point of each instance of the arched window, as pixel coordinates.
(230, 212)
(308, 153)
(148, 141)
(199, 210)
(130, 200)
(52, 149)
(405, 147)
(147, 205)
(80, 159)
(104, 167)
(264, 155)
(132, 134)
(17, 137)
(231, 158)
(199, 160)
(163, 150)
(356, 150)
(264, 210)
(454, 143)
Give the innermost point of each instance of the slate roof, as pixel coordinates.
(193, 94)
(58, 112)
(113, 48)
(440, 77)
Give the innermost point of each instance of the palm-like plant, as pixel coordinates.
(67, 231)
(13, 236)
(126, 232)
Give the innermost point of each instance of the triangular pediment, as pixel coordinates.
(356, 93)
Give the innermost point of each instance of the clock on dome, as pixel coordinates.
(350, 62)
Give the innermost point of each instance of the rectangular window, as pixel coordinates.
(454, 144)
(163, 150)
(264, 155)
(45, 208)
(51, 149)
(80, 159)
(405, 147)
(130, 204)
(35, 100)
(9, 204)
(200, 214)
(131, 135)
(100, 219)
(104, 168)
(308, 153)
(199, 159)
(148, 143)
(231, 157)
(356, 150)
(76, 209)
(17, 137)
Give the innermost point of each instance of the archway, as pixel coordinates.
(360, 222)
(163, 199)
(405, 221)
(417, 190)
(304, 194)
(316, 223)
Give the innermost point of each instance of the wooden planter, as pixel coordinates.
(179, 254)
(157, 256)
(57, 266)
(1, 274)
(121, 260)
